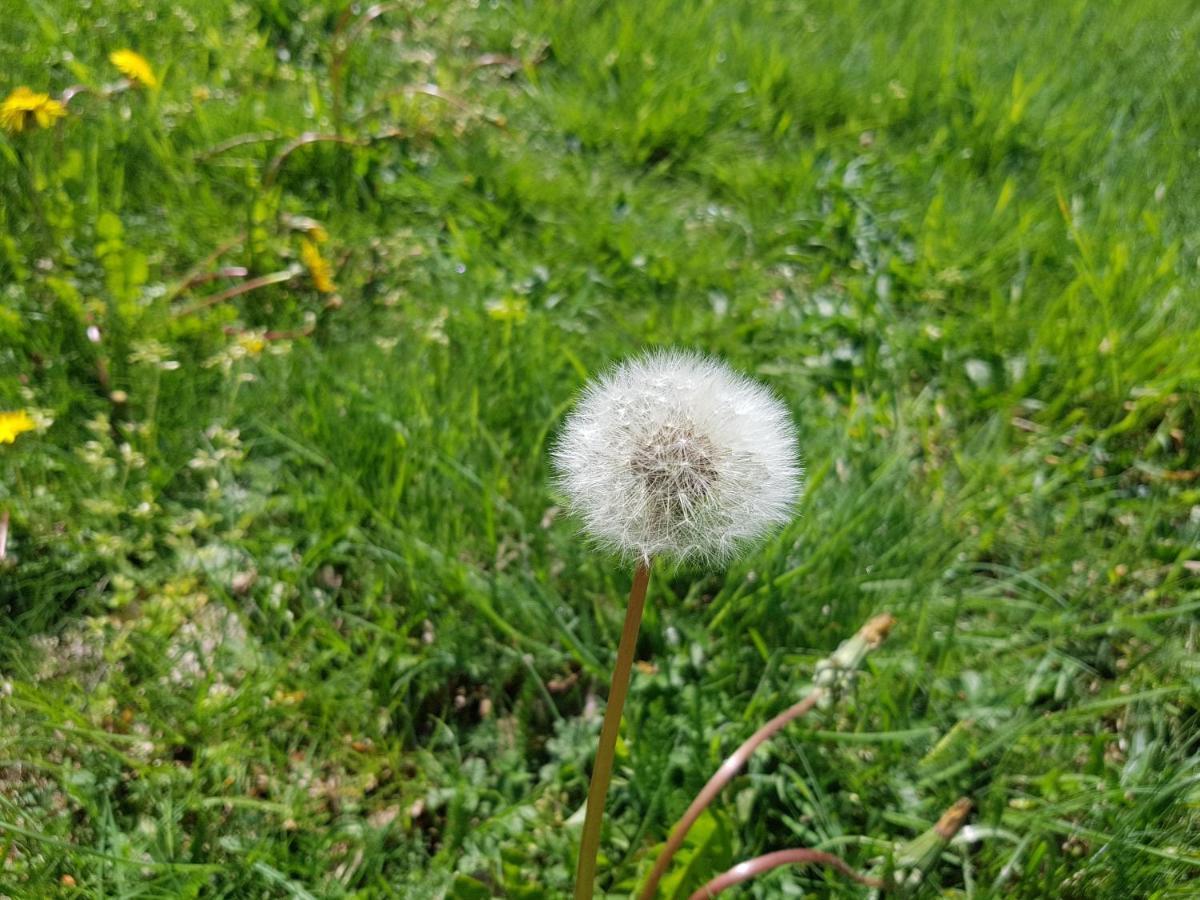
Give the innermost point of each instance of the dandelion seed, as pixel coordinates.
(24, 108)
(676, 455)
(134, 66)
(318, 267)
(13, 424)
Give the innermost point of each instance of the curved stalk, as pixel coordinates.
(752, 868)
(732, 765)
(830, 677)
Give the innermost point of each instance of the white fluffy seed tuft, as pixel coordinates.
(675, 455)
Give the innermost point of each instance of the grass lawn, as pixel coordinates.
(288, 607)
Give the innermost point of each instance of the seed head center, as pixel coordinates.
(677, 466)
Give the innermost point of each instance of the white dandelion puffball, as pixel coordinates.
(675, 455)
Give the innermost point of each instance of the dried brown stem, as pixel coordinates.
(197, 274)
(205, 277)
(312, 137)
(237, 290)
(240, 140)
(309, 137)
(496, 59)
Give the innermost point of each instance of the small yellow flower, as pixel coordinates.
(510, 309)
(13, 424)
(134, 66)
(252, 342)
(318, 267)
(24, 108)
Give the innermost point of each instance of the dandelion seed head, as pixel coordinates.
(675, 455)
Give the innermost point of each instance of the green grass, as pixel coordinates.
(299, 616)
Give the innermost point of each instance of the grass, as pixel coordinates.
(290, 609)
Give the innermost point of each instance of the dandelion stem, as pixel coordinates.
(237, 290)
(589, 845)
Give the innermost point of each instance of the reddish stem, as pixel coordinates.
(752, 868)
(241, 140)
(720, 778)
(589, 844)
(237, 290)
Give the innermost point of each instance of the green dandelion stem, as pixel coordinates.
(589, 845)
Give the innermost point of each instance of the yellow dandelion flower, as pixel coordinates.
(252, 342)
(134, 66)
(13, 424)
(318, 267)
(24, 108)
